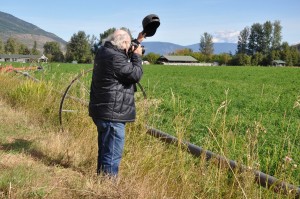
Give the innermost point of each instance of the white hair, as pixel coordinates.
(117, 38)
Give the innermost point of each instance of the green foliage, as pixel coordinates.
(23, 50)
(151, 57)
(11, 46)
(53, 52)
(255, 41)
(106, 33)
(206, 44)
(184, 51)
(241, 60)
(223, 58)
(34, 49)
(276, 42)
(79, 49)
(242, 47)
(1, 47)
(262, 42)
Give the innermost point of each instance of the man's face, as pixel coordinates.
(127, 43)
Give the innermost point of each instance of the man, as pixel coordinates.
(112, 97)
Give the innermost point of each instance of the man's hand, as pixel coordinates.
(139, 50)
(141, 36)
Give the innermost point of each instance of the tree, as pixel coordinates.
(11, 46)
(276, 41)
(34, 50)
(53, 52)
(267, 37)
(199, 56)
(110, 31)
(151, 57)
(79, 49)
(242, 46)
(184, 51)
(1, 47)
(255, 39)
(23, 50)
(241, 60)
(206, 44)
(105, 34)
(94, 44)
(257, 59)
(295, 56)
(286, 54)
(224, 58)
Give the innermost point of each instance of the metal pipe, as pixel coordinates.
(26, 74)
(261, 178)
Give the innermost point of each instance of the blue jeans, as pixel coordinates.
(111, 139)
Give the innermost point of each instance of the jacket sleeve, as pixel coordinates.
(128, 72)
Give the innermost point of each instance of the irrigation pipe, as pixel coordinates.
(261, 178)
(26, 74)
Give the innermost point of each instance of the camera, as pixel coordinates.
(133, 46)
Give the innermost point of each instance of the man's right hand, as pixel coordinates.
(141, 37)
(139, 50)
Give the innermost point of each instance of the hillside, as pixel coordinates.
(166, 47)
(25, 32)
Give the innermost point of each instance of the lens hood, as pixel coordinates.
(150, 24)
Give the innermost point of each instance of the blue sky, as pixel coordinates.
(182, 22)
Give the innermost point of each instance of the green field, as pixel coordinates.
(238, 112)
(255, 104)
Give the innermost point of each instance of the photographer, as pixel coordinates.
(112, 102)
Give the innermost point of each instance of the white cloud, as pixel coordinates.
(226, 36)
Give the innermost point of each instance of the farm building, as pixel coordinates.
(176, 59)
(278, 63)
(22, 58)
(180, 60)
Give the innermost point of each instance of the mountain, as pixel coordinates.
(163, 48)
(25, 32)
(218, 47)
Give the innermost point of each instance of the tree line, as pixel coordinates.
(12, 46)
(258, 45)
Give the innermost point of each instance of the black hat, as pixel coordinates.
(150, 24)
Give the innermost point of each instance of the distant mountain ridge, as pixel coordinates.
(25, 32)
(163, 48)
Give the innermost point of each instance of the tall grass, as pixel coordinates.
(149, 168)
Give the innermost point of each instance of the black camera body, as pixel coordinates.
(150, 24)
(133, 46)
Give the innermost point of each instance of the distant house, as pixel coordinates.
(180, 60)
(278, 63)
(22, 58)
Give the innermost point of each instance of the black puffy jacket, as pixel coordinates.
(113, 84)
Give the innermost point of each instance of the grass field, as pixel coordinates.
(255, 104)
(248, 114)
